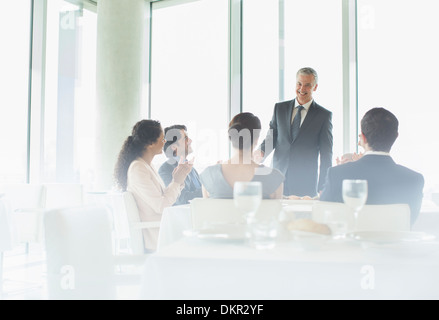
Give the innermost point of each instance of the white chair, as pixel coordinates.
(5, 238)
(5, 228)
(207, 211)
(387, 217)
(80, 259)
(339, 212)
(26, 202)
(135, 225)
(61, 195)
(127, 220)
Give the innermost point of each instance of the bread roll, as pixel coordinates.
(294, 197)
(309, 226)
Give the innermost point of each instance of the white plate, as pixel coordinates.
(222, 231)
(389, 236)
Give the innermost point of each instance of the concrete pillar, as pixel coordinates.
(120, 62)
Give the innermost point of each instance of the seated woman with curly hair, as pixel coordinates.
(135, 173)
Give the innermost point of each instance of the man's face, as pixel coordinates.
(305, 86)
(183, 146)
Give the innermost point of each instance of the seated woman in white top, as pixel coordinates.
(134, 173)
(218, 180)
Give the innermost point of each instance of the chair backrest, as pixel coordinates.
(207, 211)
(387, 217)
(23, 196)
(5, 229)
(125, 213)
(127, 224)
(26, 203)
(338, 212)
(79, 253)
(133, 217)
(62, 195)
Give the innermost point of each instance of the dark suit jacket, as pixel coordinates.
(300, 157)
(387, 182)
(190, 190)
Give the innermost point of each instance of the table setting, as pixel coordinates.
(293, 253)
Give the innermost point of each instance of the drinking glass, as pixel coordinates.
(337, 222)
(261, 227)
(355, 196)
(247, 197)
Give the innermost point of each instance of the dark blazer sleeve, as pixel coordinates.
(271, 135)
(331, 192)
(165, 172)
(416, 203)
(189, 193)
(325, 146)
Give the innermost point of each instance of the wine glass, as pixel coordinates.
(355, 196)
(247, 197)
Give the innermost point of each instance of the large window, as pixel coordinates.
(14, 84)
(189, 74)
(398, 67)
(69, 115)
(260, 77)
(190, 69)
(278, 41)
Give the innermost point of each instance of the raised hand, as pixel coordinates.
(258, 156)
(181, 171)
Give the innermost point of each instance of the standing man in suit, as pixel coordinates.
(387, 181)
(300, 133)
(177, 148)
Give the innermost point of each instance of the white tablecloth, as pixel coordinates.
(206, 270)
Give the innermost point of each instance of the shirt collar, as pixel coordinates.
(305, 106)
(378, 153)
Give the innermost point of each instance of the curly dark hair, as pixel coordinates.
(244, 129)
(144, 133)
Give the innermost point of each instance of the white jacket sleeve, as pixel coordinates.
(147, 188)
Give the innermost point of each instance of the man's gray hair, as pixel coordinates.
(308, 71)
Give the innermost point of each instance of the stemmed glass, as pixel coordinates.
(355, 196)
(247, 197)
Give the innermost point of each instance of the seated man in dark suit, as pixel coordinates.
(177, 148)
(388, 182)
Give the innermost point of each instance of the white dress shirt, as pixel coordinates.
(304, 110)
(380, 153)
